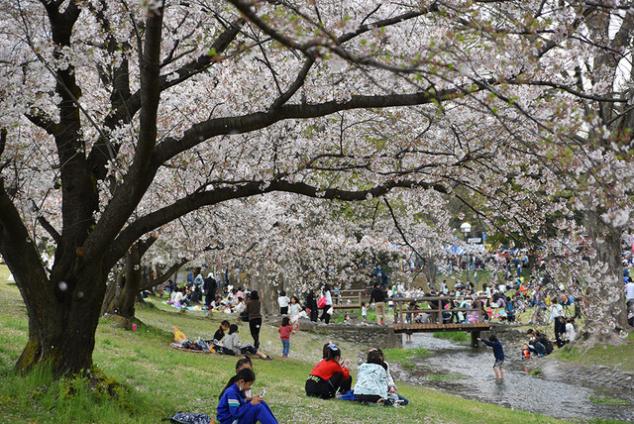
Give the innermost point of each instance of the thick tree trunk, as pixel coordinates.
(65, 339)
(606, 314)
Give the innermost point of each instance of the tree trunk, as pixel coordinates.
(133, 279)
(66, 338)
(430, 271)
(113, 293)
(123, 292)
(606, 315)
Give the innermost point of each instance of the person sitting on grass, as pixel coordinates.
(231, 345)
(498, 353)
(235, 407)
(392, 391)
(329, 376)
(244, 362)
(221, 332)
(372, 380)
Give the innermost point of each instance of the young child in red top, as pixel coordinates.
(286, 329)
(329, 376)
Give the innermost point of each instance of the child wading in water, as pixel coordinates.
(285, 335)
(498, 353)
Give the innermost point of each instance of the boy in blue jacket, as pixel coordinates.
(235, 408)
(498, 353)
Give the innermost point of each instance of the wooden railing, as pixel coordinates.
(436, 313)
(351, 298)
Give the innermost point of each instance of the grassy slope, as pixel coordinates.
(621, 357)
(165, 381)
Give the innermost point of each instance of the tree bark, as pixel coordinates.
(66, 339)
(606, 315)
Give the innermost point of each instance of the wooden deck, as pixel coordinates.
(432, 327)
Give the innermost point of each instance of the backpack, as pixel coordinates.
(190, 418)
(244, 316)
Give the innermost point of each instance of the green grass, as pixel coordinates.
(454, 336)
(610, 401)
(621, 356)
(452, 376)
(158, 381)
(405, 358)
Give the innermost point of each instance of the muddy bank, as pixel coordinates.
(544, 386)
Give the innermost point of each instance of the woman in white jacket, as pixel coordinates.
(372, 380)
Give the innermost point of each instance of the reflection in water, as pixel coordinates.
(518, 390)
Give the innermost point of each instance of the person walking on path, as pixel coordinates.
(498, 353)
(378, 297)
(255, 317)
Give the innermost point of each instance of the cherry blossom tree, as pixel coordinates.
(121, 117)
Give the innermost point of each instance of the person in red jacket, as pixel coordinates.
(329, 376)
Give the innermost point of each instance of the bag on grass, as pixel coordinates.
(190, 418)
(179, 336)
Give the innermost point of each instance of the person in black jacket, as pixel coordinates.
(210, 287)
(311, 303)
(255, 317)
(378, 297)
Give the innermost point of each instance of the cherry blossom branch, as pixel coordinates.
(165, 275)
(197, 200)
(124, 112)
(399, 229)
(140, 174)
(203, 131)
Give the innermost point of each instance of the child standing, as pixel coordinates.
(498, 353)
(364, 312)
(294, 309)
(285, 335)
(283, 302)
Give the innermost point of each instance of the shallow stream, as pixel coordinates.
(462, 370)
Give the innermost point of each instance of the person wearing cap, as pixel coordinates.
(329, 376)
